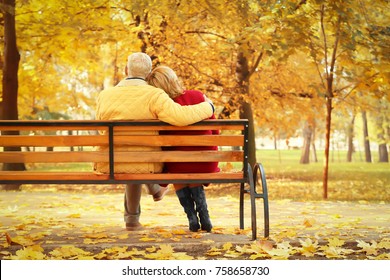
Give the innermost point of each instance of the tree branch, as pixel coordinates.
(325, 42)
(278, 93)
(335, 46)
(206, 32)
(355, 86)
(216, 82)
(317, 65)
(300, 4)
(254, 66)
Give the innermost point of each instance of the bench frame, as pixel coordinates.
(250, 179)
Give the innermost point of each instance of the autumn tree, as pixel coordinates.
(277, 63)
(10, 78)
(185, 34)
(334, 35)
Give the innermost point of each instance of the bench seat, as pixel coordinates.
(48, 148)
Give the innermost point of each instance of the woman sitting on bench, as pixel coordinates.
(191, 196)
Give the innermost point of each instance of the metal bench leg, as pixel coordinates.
(265, 198)
(242, 192)
(252, 193)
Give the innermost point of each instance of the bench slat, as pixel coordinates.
(176, 128)
(53, 141)
(31, 175)
(180, 156)
(138, 140)
(45, 157)
(180, 140)
(184, 176)
(48, 176)
(140, 156)
(50, 128)
(119, 128)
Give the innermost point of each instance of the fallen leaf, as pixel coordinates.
(335, 242)
(369, 249)
(308, 247)
(227, 246)
(74, 216)
(213, 253)
(309, 222)
(123, 236)
(22, 241)
(30, 253)
(385, 244)
(179, 232)
(147, 239)
(97, 241)
(151, 249)
(68, 252)
(266, 245)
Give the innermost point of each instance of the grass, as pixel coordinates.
(357, 180)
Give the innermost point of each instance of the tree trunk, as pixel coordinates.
(329, 94)
(10, 81)
(11, 64)
(246, 112)
(383, 153)
(275, 142)
(327, 146)
(239, 100)
(313, 145)
(350, 135)
(305, 155)
(367, 149)
(116, 78)
(383, 128)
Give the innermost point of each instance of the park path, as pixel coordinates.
(94, 222)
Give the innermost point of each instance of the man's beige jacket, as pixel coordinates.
(134, 99)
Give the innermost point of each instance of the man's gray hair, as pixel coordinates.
(139, 65)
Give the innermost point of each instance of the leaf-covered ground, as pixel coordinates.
(47, 223)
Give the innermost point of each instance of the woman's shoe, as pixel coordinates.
(160, 194)
(199, 197)
(187, 202)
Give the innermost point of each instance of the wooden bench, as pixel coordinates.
(74, 142)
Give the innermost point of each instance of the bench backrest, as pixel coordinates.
(73, 142)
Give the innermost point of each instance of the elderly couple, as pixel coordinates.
(157, 94)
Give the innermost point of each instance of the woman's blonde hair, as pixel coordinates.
(165, 78)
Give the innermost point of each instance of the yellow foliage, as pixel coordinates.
(309, 222)
(74, 216)
(369, 249)
(335, 242)
(166, 252)
(69, 252)
(179, 232)
(385, 243)
(147, 239)
(151, 249)
(308, 247)
(34, 252)
(227, 246)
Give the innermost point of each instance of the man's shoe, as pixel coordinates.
(160, 194)
(134, 226)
